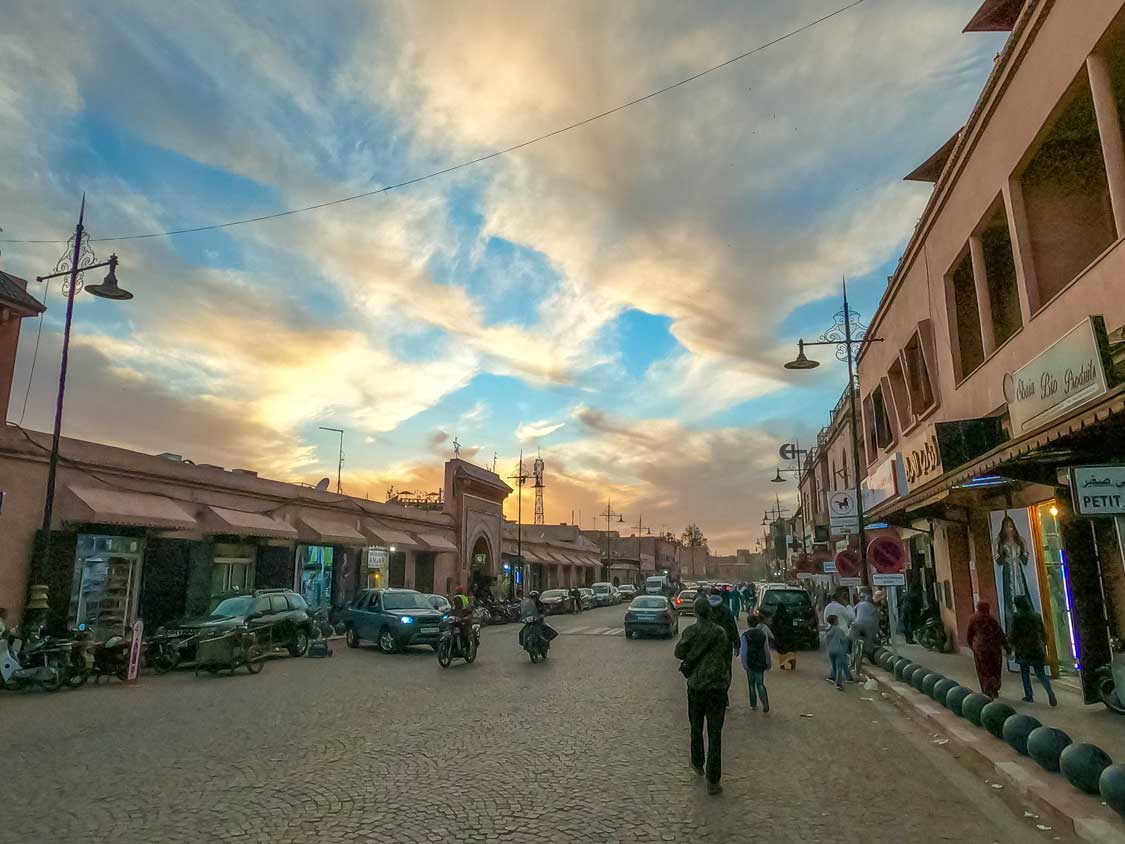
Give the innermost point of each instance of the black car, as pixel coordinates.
(393, 619)
(556, 601)
(788, 612)
(281, 613)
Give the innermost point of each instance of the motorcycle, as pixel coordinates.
(535, 637)
(167, 649)
(451, 645)
(1107, 687)
(111, 659)
(24, 664)
(482, 615)
(931, 633)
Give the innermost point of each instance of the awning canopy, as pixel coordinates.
(381, 534)
(437, 542)
(120, 507)
(239, 523)
(330, 529)
(534, 556)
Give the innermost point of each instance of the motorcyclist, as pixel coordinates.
(532, 613)
(461, 610)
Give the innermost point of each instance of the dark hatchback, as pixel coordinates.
(790, 615)
(393, 619)
(281, 613)
(651, 615)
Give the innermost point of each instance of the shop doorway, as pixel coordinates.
(314, 575)
(424, 572)
(396, 570)
(1058, 607)
(106, 575)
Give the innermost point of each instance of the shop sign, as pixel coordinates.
(378, 559)
(1098, 490)
(888, 579)
(1069, 373)
(922, 461)
(884, 482)
(829, 566)
(843, 514)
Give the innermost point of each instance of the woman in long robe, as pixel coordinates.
(988, 643)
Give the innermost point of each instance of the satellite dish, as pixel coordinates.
(323, 483)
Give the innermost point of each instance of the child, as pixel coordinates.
(756, 661)
(836, 641)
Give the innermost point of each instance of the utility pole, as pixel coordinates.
(340, 463)
(520, 478)
(607, 515)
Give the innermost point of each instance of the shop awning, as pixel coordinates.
(239, 523)
(534, 556)
(559, 557)
(119, 507)
(437, 542)
(381, 534)
(329, 529)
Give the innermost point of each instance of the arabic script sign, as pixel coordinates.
(1069, 373)
(1098, 490)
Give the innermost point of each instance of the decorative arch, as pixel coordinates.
(481, 544)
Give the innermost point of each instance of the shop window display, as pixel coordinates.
(103, 600)
(314, 572)
(1060, 609)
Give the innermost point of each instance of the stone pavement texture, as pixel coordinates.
(590, 746)
(1094, 724)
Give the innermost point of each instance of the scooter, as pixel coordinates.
(23, 665)
(534, 637)
(931, 633)
(451, 645)
(111, 659)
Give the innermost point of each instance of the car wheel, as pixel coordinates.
(300, 645)
(351, 637)
(388, 643)
(254, 659)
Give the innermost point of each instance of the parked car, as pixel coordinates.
(393, 619)
(439, 603)
(555, 601)
(628, 591)
(805, 628)
(280, 613)
(603, 593)
(589, 599)
(685, 602)
(651, 615)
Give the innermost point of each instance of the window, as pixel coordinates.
(897, 379)
(278, 604)
(918, 383)
(877, 427)
(964, 318)
(1000, 270)
(1066, 195)
(296, 602)
(261, 604)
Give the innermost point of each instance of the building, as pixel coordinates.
(999, 368)
(554, 556)
(157, 536)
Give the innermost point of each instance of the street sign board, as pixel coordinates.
(788, 451)
(898, 579)
(829, 566)
(851, 581)
(843, 514)
(1098, 490)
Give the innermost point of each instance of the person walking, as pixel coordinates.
(720, 614)
(987, 641)
(735, 604)
(1028, 639)
(755, 654)
(704, 651)
(839, 648)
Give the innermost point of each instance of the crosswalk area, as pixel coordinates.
(593, 631)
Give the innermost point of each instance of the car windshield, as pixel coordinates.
(648, 604)
(405, 601)
(553, 593)
(601, 587)
(233, 607)
(655, 581)
(788, 597)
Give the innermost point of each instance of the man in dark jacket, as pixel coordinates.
(705, 651)
(721, 615)
(1028, 640)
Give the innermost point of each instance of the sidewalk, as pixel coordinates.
(1083, 723)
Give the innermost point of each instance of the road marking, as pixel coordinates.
(593, 631)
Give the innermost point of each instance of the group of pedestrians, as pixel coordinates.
(1026, 640)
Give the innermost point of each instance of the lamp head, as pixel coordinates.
(801, 362)
(109, 289)
(777, 479)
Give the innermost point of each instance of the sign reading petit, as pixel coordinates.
(1098, 490)
(1069, 373)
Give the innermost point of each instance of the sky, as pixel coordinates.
(619, 298)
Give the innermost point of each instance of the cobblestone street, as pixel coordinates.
(590, 746)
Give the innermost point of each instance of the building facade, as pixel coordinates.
(999, 366)
(553, 556)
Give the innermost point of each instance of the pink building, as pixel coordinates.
(998, 371)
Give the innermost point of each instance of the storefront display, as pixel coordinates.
(377, 560)
(232, 570)
(106, 575)
(1059, 614)
(314, 575)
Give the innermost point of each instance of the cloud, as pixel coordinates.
(537, 430)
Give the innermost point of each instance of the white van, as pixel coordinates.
(655, 585)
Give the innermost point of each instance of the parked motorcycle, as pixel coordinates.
(1107, 687)
(451, 645)
(167, 650)
(931, 633)
(111, 659)
(24, 664)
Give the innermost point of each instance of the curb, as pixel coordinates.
(1089, 819)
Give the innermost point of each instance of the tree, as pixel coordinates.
(693, 536)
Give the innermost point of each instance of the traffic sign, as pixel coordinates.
(897, 579)
(847, 563)
(886, 555)
(843, 512)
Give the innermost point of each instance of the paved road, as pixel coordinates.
(590, 746)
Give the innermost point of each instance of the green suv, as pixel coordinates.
(393, 619)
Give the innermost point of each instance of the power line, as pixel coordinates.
(473, 161)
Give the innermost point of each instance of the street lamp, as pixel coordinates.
(846, 333)
(79, 258)
(793, 451)
(608, 515)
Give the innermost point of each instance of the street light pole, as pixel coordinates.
(79, 259)
(340, 464)
(520, 478)
(846, 333)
